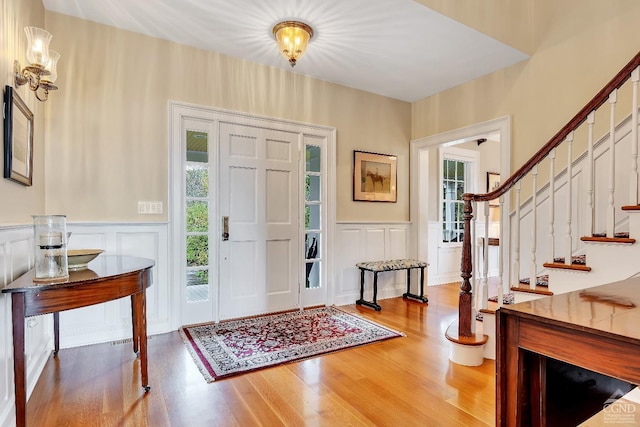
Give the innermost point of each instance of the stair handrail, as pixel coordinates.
(465, 298)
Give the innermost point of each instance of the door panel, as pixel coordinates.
(259, 193)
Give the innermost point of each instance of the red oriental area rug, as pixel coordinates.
(238, 346)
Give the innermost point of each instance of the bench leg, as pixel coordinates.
(361, 301)
(408, 294)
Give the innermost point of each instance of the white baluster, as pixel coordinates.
(516, 239)
(533, 270)
(589, 177)
(552, 203)
(633, 185)
(611, 210)
(485, 253)
(568, 252)
(501, 245)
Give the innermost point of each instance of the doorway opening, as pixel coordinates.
(429, 181)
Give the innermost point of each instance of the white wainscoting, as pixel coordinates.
(358, 242)
(112, 320)
(90, 325)
(16, 257)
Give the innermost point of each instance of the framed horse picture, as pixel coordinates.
(374, 177)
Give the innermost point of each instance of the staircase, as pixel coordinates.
(572, 220)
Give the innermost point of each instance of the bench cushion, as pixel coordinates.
(396, 264)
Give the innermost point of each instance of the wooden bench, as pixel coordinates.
(393, 265)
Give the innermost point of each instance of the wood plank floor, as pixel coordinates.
(406, 381)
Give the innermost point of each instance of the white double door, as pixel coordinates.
(259, 214)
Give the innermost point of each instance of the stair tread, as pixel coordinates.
(526, 288)
(564, 266)
(608, 239)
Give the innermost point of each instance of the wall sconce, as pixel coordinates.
(42, 69)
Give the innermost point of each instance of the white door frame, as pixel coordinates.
(179, 110)
(419, 156)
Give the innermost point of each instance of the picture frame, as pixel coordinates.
(374, 177)
(18, 138)
(493, 182)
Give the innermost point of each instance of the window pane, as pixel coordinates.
(459, 190)
(197, 178)
(197, 285)
(312, 217)
(313, 275)
(450, 193)
(312, 190)
(460, 167)
(197, 216)
(313, 158)
(312, 246)
(197, 146)
(197, 251)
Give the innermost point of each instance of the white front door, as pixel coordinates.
(259, 255)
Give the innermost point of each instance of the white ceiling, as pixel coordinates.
(396, 48)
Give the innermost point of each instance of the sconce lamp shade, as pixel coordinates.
(41, 70)
(37, 46)
(52, 66)
(293, 38)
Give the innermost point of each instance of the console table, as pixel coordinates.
(594, 329)
(108, 277)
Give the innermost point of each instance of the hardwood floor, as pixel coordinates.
(406, 381)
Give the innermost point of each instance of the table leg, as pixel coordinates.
(56, 333)
(17, 308)
(140, 320)
(134, 326)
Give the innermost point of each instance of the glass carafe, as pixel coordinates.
(50, 242)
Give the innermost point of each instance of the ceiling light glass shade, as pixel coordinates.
(293, 38)
(52, 66)
(37, 46)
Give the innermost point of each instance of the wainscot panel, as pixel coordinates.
(358, 242)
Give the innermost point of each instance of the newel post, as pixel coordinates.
(465, 299)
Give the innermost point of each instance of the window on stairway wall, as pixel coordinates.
(457, 176)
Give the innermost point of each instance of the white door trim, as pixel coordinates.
(179, 110)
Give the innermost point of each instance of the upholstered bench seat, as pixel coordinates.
(391, 265)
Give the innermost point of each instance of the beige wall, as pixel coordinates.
(18, 202)
(107, 126)
(509, 21)
(579, 46)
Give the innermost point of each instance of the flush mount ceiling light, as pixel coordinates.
(292, 38)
